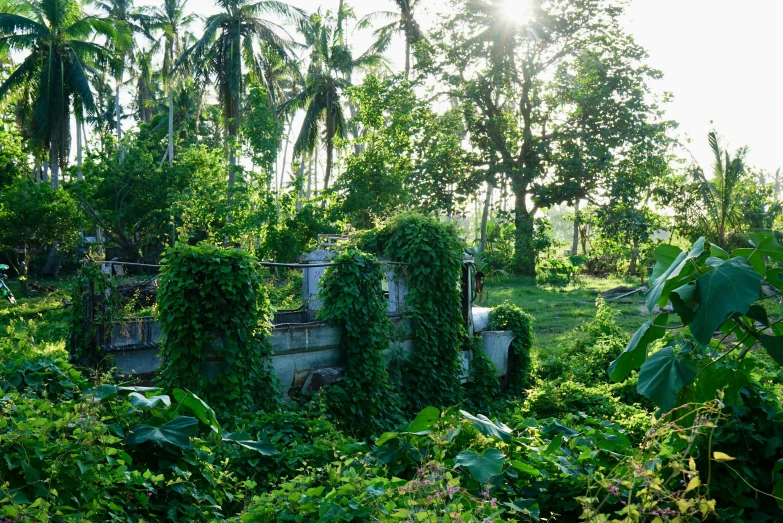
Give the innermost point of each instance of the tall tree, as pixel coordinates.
(230, 43)
(720, 193)
(170, 19)
(402, 22)
(133, 21)
(328, 75)
(551, 95)
(56, 34)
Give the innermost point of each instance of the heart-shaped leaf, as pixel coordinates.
(677, 274)
(665, 254)
(774, 347)
(143, 402)
(244, 439)
(176, 432)
(663, 374)
(424, 421)
(730, 287)
(484, 466)
(526, 506)
(198, 407)
(635, 352)
(488, 427)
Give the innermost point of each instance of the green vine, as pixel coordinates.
(365, 402)
(95, 302)
(508, 316)
(214, 315)
(434, 252)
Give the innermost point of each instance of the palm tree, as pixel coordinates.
(328, 75)
(403, 22)
(229, 44)
(57, 34)
(719, 193)
(133, 21)
(170, 19)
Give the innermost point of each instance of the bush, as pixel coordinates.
(508, 316)
(555, 399)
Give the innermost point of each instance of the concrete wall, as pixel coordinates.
(297, 349)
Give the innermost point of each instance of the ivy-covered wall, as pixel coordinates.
(212, 306)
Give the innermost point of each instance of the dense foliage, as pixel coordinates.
(214, 315)
(430, 253)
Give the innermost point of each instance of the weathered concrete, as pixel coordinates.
(297, 350)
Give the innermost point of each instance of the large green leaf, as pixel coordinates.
(143, 402)
(424, 421)
(636, 351)
(198, 407)
(731, 286)
(684, 302)
(775, 278)
(663, 374)
(484, 466)
(489, 428)
(717, 252)
(767, 244)
(755, 258)
(176, 432)
(244, 439)
(526, 506)
(677, 274)
(665, 254)
(774, 346)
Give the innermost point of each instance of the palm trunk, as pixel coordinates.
(171, 125)
(575, 241)
(300, 184)
(310, 178)
(54, 164)
(485, 216)
(79, 173)
(118, 109)
(407, 59)
(329, 154)
(45, 172)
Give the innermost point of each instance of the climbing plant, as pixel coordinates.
(483, 385)
(214, 315)
(94, 303)
(432, 252)
(508, 316)
(365, 401)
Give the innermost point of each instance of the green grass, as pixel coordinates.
(560, 310)
(45, 310)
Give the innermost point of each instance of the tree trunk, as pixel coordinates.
(310, 178)
(45, 172)
(118, 109)
(54, 165)
(485, 216)
(329, 153)
(407, 59)
(524, 254)
(79, 173)
(575, 242)
(300, 184)
(634, 258)
(171, 125)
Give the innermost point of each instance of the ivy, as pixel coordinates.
(508, 316)
(434, 253)
(365, 402)
(214, 310)
(95, 302)
(483, 380)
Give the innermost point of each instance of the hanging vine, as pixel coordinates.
(365, 402)
(434, 252)
(94, 303)
(508, 316)
(214, 315)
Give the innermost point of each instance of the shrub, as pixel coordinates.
(557, 398)
(508, 316)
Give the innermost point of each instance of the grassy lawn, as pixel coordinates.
(560, 310)
(45, 310)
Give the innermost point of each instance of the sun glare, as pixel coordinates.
(517, 11)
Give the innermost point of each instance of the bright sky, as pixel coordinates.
(720, 59)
